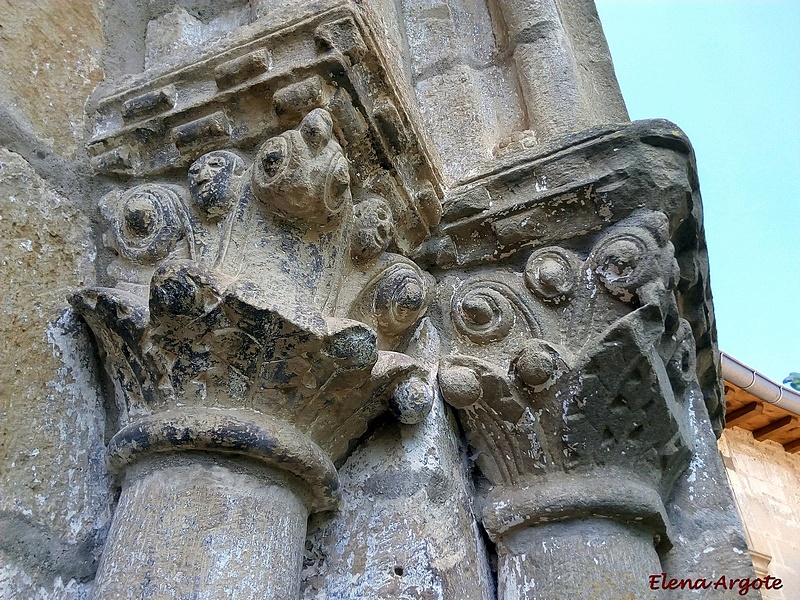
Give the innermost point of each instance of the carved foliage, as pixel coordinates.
(588, 350)
(503, 430)
(619, 407)
(229, 294)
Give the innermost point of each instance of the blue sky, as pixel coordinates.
(728, 73)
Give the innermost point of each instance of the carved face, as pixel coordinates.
(213, 181)
(374, 229)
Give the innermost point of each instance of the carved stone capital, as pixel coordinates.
(259, 297)
(569, 360)
(210, 331)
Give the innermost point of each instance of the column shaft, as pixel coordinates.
(194, 526)
(564, 560)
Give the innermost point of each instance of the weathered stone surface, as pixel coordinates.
(405, 527)
(705, 520)
(54, 490)
(593, 557)
(52, 60)
(230, 331)
(246, 526)
(494, 395)
(493, 78)
(763, 479)
(569, 363)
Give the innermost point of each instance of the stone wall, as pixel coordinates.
(334, 299)
(55, 492)
(766, 485)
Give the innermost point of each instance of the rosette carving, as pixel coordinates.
(391, 296)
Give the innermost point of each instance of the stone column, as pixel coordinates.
(568, 361)
(546, 67)
(213, 503)
(237, 386)
(567, 534)
(204, 525)
(563, 560)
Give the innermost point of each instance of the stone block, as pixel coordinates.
(49, 47)
(54, 489)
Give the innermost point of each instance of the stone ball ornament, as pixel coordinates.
(353, 347)
(302, 174)
(145, 221)
(411, 401)
(181, 287)
(538, 364)
(460, 385)
(214, 180)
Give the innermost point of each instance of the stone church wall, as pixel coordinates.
(338, 299)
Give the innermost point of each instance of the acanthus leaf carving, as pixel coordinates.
(589, 351)
(505, 434)
(235, 296)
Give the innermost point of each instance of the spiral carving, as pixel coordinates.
(302, 173)
(146, 223)
(625, 261)
(400, 298)
(483, 313)
(552, 274)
